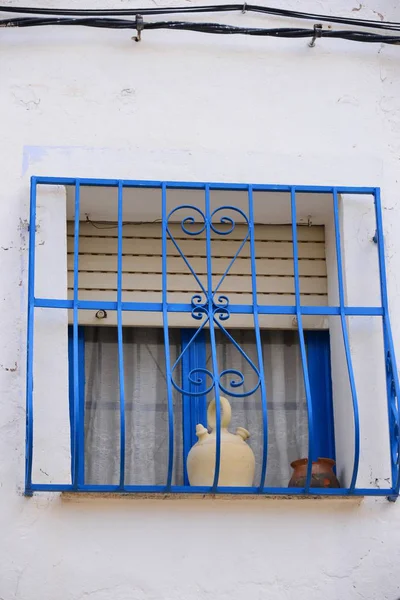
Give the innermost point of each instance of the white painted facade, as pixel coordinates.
(186, 106)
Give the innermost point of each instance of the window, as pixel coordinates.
(191, 292)
(146, 409)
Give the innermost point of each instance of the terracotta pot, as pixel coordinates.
(322, 475)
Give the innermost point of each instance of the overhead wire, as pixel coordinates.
(201, 9)
(216, 28)
(106, 18)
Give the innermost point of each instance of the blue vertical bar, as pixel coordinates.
(186, 404)
(301, 339)
(210, 298)
(81, 433)
(381, 252)
(346, 342)
(263, 389)
(82, 376)
(75, 338)
(199, 403)
(194, 408)
(121, 370)
(393, 412)
(388, 338)
(166, 337)
(29, 343)
(71, 394)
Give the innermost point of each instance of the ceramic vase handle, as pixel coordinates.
(226, 413)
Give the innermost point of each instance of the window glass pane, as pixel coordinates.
(287, 408)
(146, 403)
(146, 410)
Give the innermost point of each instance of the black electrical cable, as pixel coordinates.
(390, 25)
(216, 28)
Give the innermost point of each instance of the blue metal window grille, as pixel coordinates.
(212, 309)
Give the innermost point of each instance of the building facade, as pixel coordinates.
(182, 106)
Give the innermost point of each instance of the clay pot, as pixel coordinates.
(237, 463)
(322, 475)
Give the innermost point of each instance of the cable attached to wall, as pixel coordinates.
(107, 19)
(215, 28)
(213, 8)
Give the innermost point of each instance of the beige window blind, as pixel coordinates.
(142, 270)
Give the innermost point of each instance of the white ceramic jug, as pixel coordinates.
(237, 464)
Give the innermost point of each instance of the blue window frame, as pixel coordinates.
(210, 308)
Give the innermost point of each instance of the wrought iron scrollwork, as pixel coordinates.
(211, 304)
(226, 220)
(394, 419)
(188, 220)
(239, 377)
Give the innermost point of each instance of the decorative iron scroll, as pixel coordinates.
(394, 412)
(208, 304)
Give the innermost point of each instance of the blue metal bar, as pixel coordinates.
(360, 311)
(194, 407)
(121, 369)
(186, 336)
(81, 433)
(210, 302)
(393, 419)
(166, 337)
(193, 490)
(30, 341)
(263, 387)
(389, 346)
(199, 403)
(190, 185)
(393, 405)
(233, 308)
(98, 305)
(75, 339)
(71, 394)
(381, 252)
(301, 339)
(80, 450)
(346, 341)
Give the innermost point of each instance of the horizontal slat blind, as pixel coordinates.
(142, 269)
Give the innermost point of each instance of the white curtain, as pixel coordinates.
(146, 408)
(286, 402)
(146, 412)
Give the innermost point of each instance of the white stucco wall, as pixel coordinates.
(185, 106)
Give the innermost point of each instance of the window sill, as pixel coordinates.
(78, 496)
